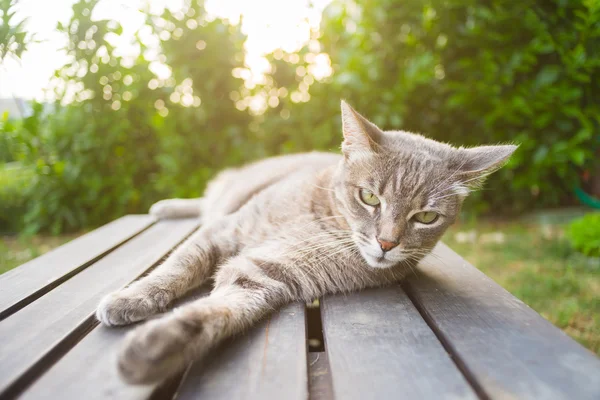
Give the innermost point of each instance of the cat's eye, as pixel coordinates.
(426, 217)
(368, 197)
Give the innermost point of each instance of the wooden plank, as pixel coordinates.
(28, 282)
(507, 349)
(37, 335)
(379, 347)
(319, 376)
(92, 364)
(267, 363)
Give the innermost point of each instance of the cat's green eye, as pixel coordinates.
(368, 197)
(426, 217)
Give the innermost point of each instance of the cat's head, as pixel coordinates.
(400, 191)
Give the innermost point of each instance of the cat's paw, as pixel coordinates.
(126, 307)
(156, 350)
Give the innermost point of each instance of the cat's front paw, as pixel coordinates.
(157, 350)
(126, 307)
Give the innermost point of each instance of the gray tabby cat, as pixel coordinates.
(294, 228)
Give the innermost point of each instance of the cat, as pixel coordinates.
(294, 228)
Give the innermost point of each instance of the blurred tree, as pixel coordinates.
(14, 40)
(120, 137)
(204, 132)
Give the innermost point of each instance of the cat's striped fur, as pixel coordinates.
(294, 228)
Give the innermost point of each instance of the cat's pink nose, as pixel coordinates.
(385, 245)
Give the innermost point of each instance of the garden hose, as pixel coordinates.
(586, 198)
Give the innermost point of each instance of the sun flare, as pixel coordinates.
(268, 24)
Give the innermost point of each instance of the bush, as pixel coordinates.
(584, 234)
(467, 72)
(471, 72)
(13, 196)
(119, 138)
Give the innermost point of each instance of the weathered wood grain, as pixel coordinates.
(92, 364)
(269, 362)
(379, 347)
(24, 284)
(319, 374)
(41, 332)
(502, 344)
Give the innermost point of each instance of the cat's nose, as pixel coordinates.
(385, 245)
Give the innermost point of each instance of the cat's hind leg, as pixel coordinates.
(177, 208)
(245, 290)
(186, 268)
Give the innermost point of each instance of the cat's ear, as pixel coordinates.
(476, 163)
(360, 135)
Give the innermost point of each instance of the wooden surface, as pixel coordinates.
(268, 363)
(449, 332)
(22, 285)
(507, 349)
(379, 347)
(320, 385)
(90, 362)
(64, 315)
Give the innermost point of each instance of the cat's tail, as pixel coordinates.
(177, 208)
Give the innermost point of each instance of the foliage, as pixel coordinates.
(126, 131)
(118, 137)
(14, 39)
(13, 202)
(584, 234)
(453, 70)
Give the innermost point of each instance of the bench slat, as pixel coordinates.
(24, 284)
(509, 349)
(319, 376)
(91, 368)
(88, 371)
(38, 334)
(379, 347)
(267, 363)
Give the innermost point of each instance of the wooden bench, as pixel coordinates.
(448, 331)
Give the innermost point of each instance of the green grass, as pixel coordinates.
(14, 183)
(15, 251)
(534, 262)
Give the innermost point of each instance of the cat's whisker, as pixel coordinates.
(327, 236)
(318, 246)
(407, 263)
(326, 260)
(321, 246)
(323, 188)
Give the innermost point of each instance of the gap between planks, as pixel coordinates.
(320, 384)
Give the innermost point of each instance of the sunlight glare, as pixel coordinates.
(268, 24)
